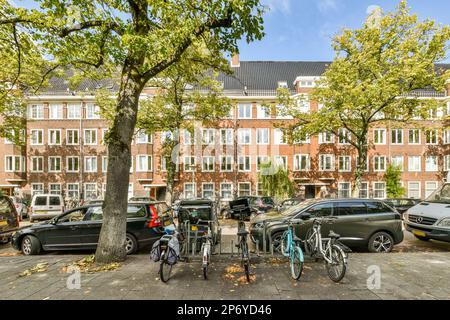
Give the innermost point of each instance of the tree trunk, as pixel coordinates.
(360, 168)
(111, 245)
(171, 169)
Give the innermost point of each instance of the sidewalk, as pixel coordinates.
(422, 275)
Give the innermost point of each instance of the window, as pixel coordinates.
(245, 111)
(282, 112)
(326, 137)
(72, 136)
(431, 163)
(104, 133)
(281, 161)
(90, 191)
(280, 136)
(414, 164)
(189, 190)
(36, 111)
(301, 162)
(397, 161)
(431, 136)
(303, 104)
(244, 136)
(430, 187)
(397, 136)
(130, 195)
(226, 163)
(104, 164)
(260, 189)
(37, 164)
(414, 136)
(244, 189)
(345, 163)
(189, 164)
(447, 136)
(14, 164)
(244, 163)
(379, 163)
(92, 111)
(142, 137)
(37, 137)
(301, 138)
(208, 190)
(379, 190)
(367, 163)
(226, 190)
(54, 137)
(208, 136)
(326, 162)
(54, 164)
(90, 164)
(262, 112)
(55, 111)
(144, 163)
(261, 160)
(73, 164)
(344, 136)
(283, 84)
(54, 188)
(73, 190)
(188, 137)
(447, 163)
(90, 136)
(73, 111)
(321, 210)
(364, 190)
(379, 136)
(350, 208)
(37, 188)
(414, 190)
(344, 190)
(207, 164)
(226, 136)
(262, 136)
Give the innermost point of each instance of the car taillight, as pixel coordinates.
(154, 219)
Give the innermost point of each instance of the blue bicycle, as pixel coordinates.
(290, 247)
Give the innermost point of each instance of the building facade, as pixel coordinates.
(65, 153)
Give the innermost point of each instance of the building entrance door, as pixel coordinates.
(310, 192)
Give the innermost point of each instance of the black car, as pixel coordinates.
(257, 205)
(79, 228)
(402, 204)
(9, 219)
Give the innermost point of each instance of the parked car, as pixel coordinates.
(360, 223)
(46, 206)
(288, 203)
(257, 204)
(402, 204)
(430, 219)
(93, 201)
(79, 228)
(21, 207)
(9, 219)
(199, 213)
(142, 199)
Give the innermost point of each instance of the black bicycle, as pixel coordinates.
(243, 246)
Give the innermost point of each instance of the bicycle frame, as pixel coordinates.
(325, 253)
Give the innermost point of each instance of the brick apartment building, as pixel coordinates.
(65, 153)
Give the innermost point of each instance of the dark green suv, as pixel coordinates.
(360, 223)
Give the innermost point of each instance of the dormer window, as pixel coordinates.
(282, 84)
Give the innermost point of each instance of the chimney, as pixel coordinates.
(235, 61)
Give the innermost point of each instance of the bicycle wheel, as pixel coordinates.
(337, 268)
(309, 243)
(296, 260)
(165, 269)
(205, 272)
(245, 260)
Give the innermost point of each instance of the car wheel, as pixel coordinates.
(130, 244)
(422, 238)
(30, 246)
(276, 241)
(381, 242)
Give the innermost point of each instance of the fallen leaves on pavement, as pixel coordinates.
(231, 275)
(40, 267)
(88, 265)
(10, 254)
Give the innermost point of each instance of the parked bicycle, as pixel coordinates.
(330, 250)
(290, 247)
(206, 248)
(243, 247)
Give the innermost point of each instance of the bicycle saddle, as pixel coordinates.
(242, 232)
(333, 234)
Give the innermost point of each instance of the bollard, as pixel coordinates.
(270, 246)
(193, 249)
(257, 248)
(232, 247)
(264, 238)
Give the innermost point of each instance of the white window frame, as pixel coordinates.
(259, 135)
(434, 168)
(279, 137)
(142, 137)
(68, 160)
(409, 164)
(50, 158)
(419, 189)
(247, 114)
(332, 162)
(69, 190)
(298, 162)
(340, 189)
(34, 191)
(323, 138)
(395, 136)
(222, 190)
(366, 189)
(104, 132)
(213, 190)
(245, 169)
(283, 160)
(38, 132)
(39, 159)
(194, 191)
(71, 114)
(446, 136)
(434, 135)
(375, 189)
(208, 136)
(415, 142)
(92, 114)
(210, 160)
(188, 166)
(68, 141)
(263, 112)
(240, 189)
(229, 162)
(50, 137)
(104, 164)
(344, 136)
(85, 190)
(60, 112)
(188, 137)
(229, 136)
(94, 163)
(149, 163)
(349, 162)
(379, 169)
(50, 191)
(377, 134)
(402, 165)
(90, 143)
(260, 160)
(241, 132)
(447, 163)
(428, 190)
(13, 163)
(39, 111)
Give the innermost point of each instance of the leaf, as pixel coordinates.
(40, 267)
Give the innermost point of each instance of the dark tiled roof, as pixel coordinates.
(60, 86)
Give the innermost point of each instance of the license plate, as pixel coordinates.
(40, 212)
(3, 223)
(167, 223)
(194, 228)
(419, 233)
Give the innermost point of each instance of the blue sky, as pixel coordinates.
(303, 29)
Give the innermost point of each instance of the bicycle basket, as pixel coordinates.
(172, 257)
(155, 253)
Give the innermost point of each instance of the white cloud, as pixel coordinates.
(372, 8)
(283, 6)
(327, 5)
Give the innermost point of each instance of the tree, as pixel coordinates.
(275, 180)
(373, 77)
(188, 96)
(393, 177)
(134, 40)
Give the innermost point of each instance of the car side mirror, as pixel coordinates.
(305, 216)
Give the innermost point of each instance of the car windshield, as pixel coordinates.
(298, 207)
(441, 195)
(195, 214)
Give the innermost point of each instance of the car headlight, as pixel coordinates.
(444, 223)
